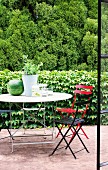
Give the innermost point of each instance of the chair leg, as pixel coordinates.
(61, 129)
(10, 134)
(63, 138)
(7, 127)
(82, 141)
(73, 132)
(84, 133)
(76, 133)
(59, 132)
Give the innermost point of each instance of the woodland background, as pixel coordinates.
(60, 33)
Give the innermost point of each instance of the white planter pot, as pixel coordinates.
(29, 81)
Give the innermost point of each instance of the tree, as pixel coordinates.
(104, 28)
(48, 31)
(20, 37)
(90, 47)
(92, 6)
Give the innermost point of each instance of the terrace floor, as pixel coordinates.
(36, 157)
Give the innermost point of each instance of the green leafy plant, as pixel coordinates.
(29, 67)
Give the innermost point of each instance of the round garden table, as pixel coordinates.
(54, 97)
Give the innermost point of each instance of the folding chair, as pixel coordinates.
(72, 122)
(82, 91)
(3, 123)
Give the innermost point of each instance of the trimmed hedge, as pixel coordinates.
(60, 81)
(104, 97)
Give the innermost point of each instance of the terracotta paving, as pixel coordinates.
(36, 157)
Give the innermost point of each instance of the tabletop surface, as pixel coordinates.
(56, 96)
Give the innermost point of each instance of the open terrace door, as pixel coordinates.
(102, 127)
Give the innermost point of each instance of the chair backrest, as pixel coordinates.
(83, 89)
(81, 92)
(83, 104)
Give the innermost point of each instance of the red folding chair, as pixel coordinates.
(82, 91)
(72, 122)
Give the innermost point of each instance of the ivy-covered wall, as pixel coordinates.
(60, 81)
(104, 97)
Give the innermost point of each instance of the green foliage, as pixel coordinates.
(59, 81)
(5, 15)
(91, 25)
(104, 29)
(104, 96)
(51, 32)
(7, 75)
(29, 67)
(92, 6)
(104, 91)
(104, 119)
(90, 47)
(104, 63)
(19, 41)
